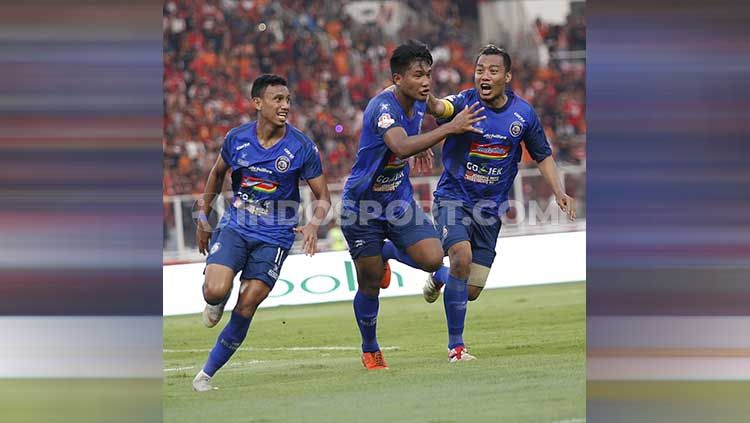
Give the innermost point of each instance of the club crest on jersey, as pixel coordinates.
(385, 121)
(515, 128)
(282, 163)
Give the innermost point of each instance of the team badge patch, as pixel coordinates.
(385, 121)
(214, 248)
(515, 128)
(282, 164)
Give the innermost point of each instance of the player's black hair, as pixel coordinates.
(405, 54)
(261, 82)
(490, 49)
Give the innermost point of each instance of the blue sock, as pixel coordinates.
(366, 312)
(391, 252)
(454, 298)
(441, 276)
(229, 340)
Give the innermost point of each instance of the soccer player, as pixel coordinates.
(378, 201)
(472, 192)
(268, 158)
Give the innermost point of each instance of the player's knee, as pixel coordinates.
(369, 282)
(429, 255)
(461, 269)
(370, 278)
(433, 263)
(461, 263)
(213, 293)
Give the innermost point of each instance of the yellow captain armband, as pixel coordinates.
(447, 109)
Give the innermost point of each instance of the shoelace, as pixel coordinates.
(379, 360)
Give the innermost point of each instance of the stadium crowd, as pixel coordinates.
(213, 49)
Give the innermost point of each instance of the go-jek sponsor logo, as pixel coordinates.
(483, 169)
(391, 176)
(479, 166)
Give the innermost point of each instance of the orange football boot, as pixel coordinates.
(386, 281)
(374, 360)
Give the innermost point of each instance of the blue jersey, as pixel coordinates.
(265, 182)
(482, 167)
(378, 174)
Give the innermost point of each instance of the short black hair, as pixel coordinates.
(406, 54)
(491, 49)
(261, 82)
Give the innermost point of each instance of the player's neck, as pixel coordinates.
(269, 134)
(406, 103)
(498, 102)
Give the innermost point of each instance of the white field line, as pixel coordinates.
(578, 420)
(177, 369)
(327, 348)
(230, 364)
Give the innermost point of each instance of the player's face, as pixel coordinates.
(415, 82)
(490, 77)
(274, 105)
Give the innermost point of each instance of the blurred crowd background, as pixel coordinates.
(334, 55)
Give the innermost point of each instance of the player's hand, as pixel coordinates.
(567, 204)
(463, 121)
(203, 234)
(310, 238)
(423, 162)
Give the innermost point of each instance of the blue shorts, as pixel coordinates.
(456, 223)
(366, 239)
(257, 259)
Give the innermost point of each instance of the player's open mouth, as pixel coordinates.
(485, 89)
(282, 115)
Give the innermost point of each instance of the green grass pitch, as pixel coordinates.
(529, 341)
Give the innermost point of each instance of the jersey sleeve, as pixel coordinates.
(226, 153)
(535, 139)
(459, 101)
(384, 118)
(312, 167)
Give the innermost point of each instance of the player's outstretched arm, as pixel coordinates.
(548, 168)
(439, 108)
(405, 146)
(321, 207)
(213, 186)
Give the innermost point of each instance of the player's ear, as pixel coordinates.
(396, 79)
(256, 102)
(508, 77)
